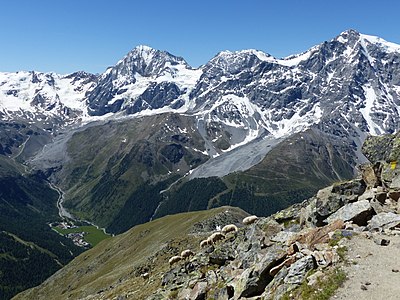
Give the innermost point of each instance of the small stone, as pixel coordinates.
(382, 242)
(395, 270)
(363, 287)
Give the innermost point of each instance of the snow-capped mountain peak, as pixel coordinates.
(379, 42)
(147, 61)
(43, 97)
(353, 77)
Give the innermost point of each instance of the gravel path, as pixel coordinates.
(374, 270)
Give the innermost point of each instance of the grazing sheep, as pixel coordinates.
(174, 259)
(145, 275)
(204, 243)
(186, 253)
(229, 228)
(250, 220)
(215, 237)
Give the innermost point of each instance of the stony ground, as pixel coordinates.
(373, 270)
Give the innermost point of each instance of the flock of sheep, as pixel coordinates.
(212, 239)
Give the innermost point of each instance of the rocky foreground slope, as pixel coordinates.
(297, 253)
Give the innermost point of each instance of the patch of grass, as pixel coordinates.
(341, 251)
(93, 236)
(323, 290)
(173, 294)
(337, 236)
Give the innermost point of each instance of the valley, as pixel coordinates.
(85, 156)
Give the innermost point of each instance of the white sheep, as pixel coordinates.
(204, 243)
(174, 259)
(215, 237)
(229, 228)
(186, 253)
(145, 275)
(249, 220)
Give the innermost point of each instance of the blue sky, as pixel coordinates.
(69, 35)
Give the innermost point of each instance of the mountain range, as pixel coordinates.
(152, 136)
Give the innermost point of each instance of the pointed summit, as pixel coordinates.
(148, 61)
(348, 36)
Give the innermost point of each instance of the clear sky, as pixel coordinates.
(70, 35)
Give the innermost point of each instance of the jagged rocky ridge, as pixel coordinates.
(268, 259)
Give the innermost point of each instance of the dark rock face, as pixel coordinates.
(156, 96)
(173, 152)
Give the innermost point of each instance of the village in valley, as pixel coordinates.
(85, 236)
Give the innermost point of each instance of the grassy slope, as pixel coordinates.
(117, 171)
(120, 165)
(293, 171)
(120, 260)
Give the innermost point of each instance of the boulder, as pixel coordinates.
(221, 255)
(298, 271)
(367, 195)
(284, 237)
(377, 206)
(199, 291)
(354, 187)
(332, 198)
(325, 258)
(384, 220)
(253, 280)
(369, 175)
(359, 212)
(318, 235)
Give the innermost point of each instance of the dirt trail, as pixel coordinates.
(371, 273)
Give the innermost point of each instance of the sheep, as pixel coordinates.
(249, 220)
(229, 228)
(204, 243)
(145, 275)
(186, 253)
(174, 259)
(215, 237)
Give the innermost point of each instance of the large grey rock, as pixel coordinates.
(367, 195)
(252, 281)
(331, 199)
(298, 271)
(384, 220)
(359, 212)
(284, 236)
